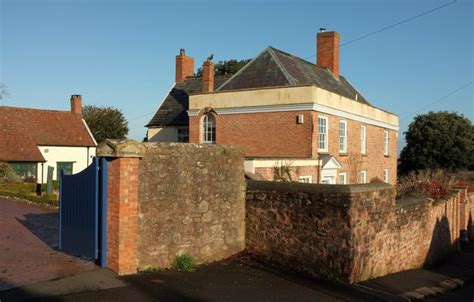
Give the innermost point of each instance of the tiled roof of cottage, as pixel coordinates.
(274, 68)
(172, 111)
(22, 130)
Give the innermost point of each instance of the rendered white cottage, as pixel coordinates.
(33, 139)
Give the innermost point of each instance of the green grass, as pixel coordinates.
(149, 269)
(184, 262)
(46, 199)
(24, 190)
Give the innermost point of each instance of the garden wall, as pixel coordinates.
(191, 200)
(349, 232)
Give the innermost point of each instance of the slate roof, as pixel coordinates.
(271, 68)
(23, 129)
(172, 111)
(274, 68)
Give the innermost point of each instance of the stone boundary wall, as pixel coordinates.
(350, 232)
(191, 200)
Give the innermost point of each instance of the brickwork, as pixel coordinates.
(296, 172)
(122, 215)
(374, 161)
(208, 76)
(274, 134)
(351, 233)
(327, 44)
(184, 67)
(278, 135)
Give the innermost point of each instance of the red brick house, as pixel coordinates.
(33, 139)
(285, 111)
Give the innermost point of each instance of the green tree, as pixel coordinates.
(3, 91)
(105, 122)
(438, 140)
(226, 67)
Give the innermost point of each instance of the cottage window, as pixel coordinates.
(343, 178)
(323, 133)
(385, 142)
(182, 134)
(306, 179)
(209, 129)
(25, 169)
(385, 175)
(343, 136)
(363, 177)
(363, 140)
(64, 166)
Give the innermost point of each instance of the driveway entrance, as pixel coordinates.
(28, 246)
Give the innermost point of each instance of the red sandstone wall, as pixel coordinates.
(288, 222)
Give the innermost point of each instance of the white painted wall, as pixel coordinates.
(165, 134)
(54, 154)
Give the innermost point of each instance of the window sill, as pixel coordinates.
(364, 155)
(386, 155)
(344, 154)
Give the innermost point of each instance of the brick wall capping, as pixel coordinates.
(120, 148)
(297, 187)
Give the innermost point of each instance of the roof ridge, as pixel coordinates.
(287, 75)
(241, 70)
(35, 109)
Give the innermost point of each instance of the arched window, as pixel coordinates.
(209, 129)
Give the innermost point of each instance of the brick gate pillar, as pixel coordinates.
(123, 157)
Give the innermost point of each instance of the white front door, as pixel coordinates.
(328, 180)
(328, 176)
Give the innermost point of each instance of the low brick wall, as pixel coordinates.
(191, 200)
(352, 232)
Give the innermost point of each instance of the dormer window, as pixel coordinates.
(209, 129)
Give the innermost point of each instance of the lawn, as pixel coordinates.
(28, 191)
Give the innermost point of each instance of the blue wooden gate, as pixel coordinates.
(83, 212)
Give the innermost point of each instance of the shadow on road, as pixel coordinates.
(44, 226)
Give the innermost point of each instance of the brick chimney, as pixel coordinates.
(76, 104)
(184, 66)
(328, 50)
(208, 76)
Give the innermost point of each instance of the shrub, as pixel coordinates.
(30, 179)
(149, 269)
(282, 171)
(7, 175)
(434, 184)
(184, 262)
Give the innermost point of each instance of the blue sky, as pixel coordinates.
(121, 53)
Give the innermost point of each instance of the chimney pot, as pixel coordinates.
(327, 44)
(184, 66)
(76, 104)
(208, 76)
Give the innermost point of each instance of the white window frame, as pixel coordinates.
(344, 176)
(180, 135)
(363, 177)
(385, 175)
(385, 142)
(363, 140)
(306, 179)
(323, 135)
(208, 128)
(343, 137)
